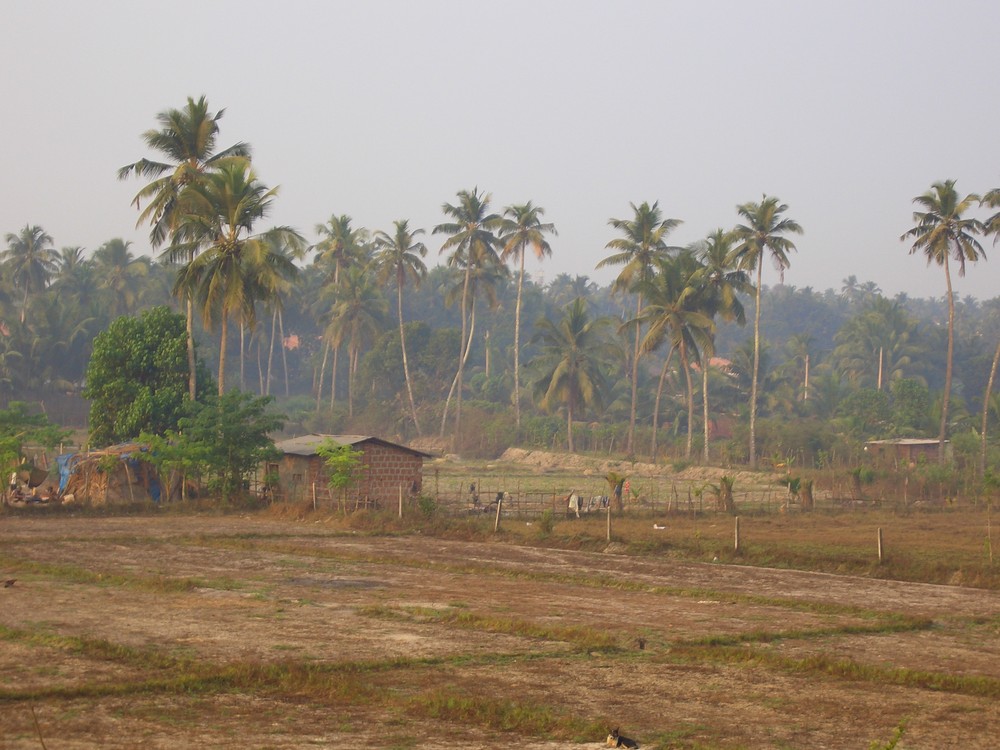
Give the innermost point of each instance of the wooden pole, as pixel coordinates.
(496, 523)
(314, 495)
(880, 549)
(400, 501)
(736, 541)
(609, 521)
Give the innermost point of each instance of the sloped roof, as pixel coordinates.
(307, 445)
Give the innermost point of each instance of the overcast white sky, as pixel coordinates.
(383, 110)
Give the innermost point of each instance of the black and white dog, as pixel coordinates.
(617, 740)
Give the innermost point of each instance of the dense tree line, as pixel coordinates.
(354, 332)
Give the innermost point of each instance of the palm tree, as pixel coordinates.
(30, 261)
(276, 280)
(644, 241)
(341, 244)
(120, 275)
(75, 279)
(674, 314)
(473, 244)
(357, 316)
(720, 282)
(761, 234)
(573, 356)
(218, 214)
(878, 344)
(399, 257)
(943, 233)
(522, 228)
(187, 139)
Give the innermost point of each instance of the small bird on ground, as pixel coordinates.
(9, 582)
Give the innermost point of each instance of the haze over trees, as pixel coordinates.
(659, 362)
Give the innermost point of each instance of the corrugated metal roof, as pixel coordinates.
(307, 445)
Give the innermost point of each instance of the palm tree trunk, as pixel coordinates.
(635, 381)
(322, 376)
(704, 406)
(517, 346)
(690, 399)
(260, 367)
(656, 408)
(942, 431)
(462, 352)
(569, 424)
(284, 355)
(192, 374)
(402, 345)
(333, 377)
(805, 385)
(222, 353)
(243, 330)
(756, 368)
(350, 381)
(986, 410)
(454, 382)
(270, 352)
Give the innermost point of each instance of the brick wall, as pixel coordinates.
(384, 470)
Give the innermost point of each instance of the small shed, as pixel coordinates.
(112, 476)
(386, 469)
(906, 450)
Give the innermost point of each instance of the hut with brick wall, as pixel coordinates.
(386, 469)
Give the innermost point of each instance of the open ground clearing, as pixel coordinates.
(249, 631)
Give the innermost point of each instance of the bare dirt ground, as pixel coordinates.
(401, 633)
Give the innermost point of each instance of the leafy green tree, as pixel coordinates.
(473, 244)
(137, 377)
(522, 228)
(230, 435)
(943, 233)
(399, 257)
(573, 356)
(911, 406)
(762, 233)
(866, 413)
(344, 464)
(644, 240)
(19, 427)
(30, 261)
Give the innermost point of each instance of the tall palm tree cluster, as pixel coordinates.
(353, 326)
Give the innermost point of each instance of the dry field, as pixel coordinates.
(260, 632)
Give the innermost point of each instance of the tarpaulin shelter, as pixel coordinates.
(115, 475)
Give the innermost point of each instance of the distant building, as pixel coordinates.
(386, 469)
(906, 450)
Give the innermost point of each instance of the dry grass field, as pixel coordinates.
(301, 629)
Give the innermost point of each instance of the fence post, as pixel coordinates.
(400, 501)
(736, 543)
(609, 521)
(880, 544)
(314, 495)
(496, 524)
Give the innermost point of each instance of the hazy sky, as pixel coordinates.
(845, 110)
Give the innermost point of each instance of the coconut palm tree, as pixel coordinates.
(218, 213)
(399, 257)
(186, 140)
(121, 275)
(30, 261)
(674, 314)
(522, 228)
(720, 283)
(473, 244)
(644, 241)
(943, 233)
(357, 316)
(762, 233)
(574, 354)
